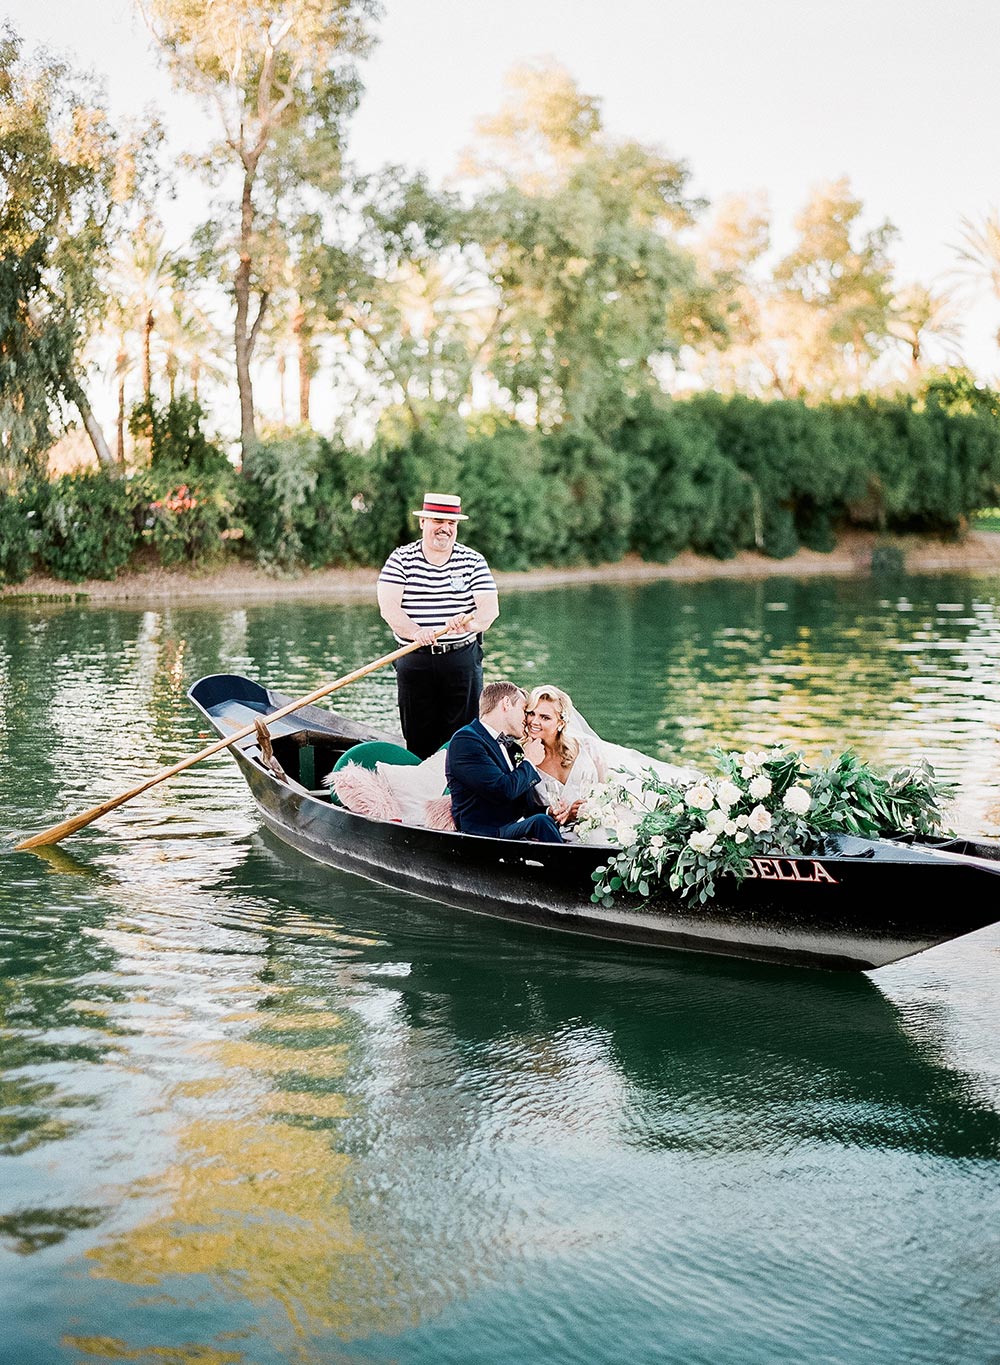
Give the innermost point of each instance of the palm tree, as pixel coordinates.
(919, 314)
(143, 279)
(193, 342)
(979, 251)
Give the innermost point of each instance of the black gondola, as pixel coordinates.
(856, 905)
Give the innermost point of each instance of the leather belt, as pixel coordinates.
(446, 646)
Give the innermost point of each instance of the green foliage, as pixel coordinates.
(87, 525)
(956, 390)
(518, 513)
(306, 501)
(190, 486)
(712, 474)
(68, 176)
(18, 535)
(189, 523)
(590, 502)
(178, 445)
(848, 796)
(685, 491)
(579, 234)
(764, 803)
(928, 466)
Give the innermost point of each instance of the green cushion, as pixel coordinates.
(376, 751)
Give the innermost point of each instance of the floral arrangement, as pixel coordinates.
(764, 802)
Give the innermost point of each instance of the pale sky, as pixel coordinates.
(901, 96)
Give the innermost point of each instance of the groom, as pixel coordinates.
(491, 793)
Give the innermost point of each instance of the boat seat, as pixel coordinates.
(366, 755)
(373, 751)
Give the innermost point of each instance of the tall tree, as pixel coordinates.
(580, 237)
(67, 182)
(406, 288)
(144, 276)
(280, 77)
(725, 341)
(834, 294)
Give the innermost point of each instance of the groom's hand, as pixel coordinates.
(534, 751)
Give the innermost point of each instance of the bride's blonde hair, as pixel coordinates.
(567, 748)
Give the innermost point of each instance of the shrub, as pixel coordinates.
(177, 442)
(87, 524)
(18, 535)
(595, 496)
(684, 491)
(519, 514)
(303, 498)
(189, 523)
(189, 487)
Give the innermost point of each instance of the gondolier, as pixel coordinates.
(433, 582)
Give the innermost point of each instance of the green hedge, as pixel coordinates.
(88, 525)
(713, 474)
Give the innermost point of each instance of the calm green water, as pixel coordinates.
(255, 1111)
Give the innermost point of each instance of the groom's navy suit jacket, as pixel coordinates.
(486, 793)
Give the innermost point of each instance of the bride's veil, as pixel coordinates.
(616, 756)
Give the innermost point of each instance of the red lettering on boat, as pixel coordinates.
(785, 876)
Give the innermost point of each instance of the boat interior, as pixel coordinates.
(306, 757)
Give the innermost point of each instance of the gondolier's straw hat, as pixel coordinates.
(443, 507)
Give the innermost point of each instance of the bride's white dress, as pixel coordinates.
(598, 762)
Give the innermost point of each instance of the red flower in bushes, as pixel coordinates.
(179, 500)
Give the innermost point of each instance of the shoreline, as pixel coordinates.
(976, 552)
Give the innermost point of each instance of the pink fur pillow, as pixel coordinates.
(414, 784)
(365, 792)
(437, 813)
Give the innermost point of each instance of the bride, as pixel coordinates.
(577, 761)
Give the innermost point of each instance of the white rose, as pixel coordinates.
(742, 821)
(699, 797)
(754, 758)
(715, 821)
(760, 820)
(656, 843)
(702, 841)
(797, 800)
(678, 809)
(742, 837)
(760, 786)
(728, 794)
(730, 827)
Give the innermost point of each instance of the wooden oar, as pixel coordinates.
(57, 832)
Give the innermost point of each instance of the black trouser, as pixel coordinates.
(438, 694)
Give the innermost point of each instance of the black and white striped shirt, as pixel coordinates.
(434, 593)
